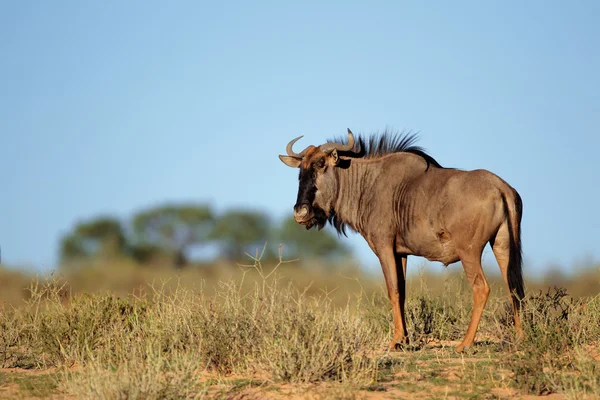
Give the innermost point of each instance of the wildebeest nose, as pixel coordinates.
(301, 212)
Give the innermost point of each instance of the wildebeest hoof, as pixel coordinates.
(461, 348)
(398, 344)
(466, 349)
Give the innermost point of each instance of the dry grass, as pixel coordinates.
(270, 333)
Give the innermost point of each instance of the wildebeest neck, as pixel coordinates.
(356, 186)
(369, 191)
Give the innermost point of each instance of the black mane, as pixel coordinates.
(375, 146)
(388, 142)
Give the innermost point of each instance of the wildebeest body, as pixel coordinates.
(404, 203)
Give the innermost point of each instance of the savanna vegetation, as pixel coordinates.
(278, 331)
(131, 314)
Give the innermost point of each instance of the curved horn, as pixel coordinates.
(328, 147)
(291, 153)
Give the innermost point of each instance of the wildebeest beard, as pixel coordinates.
(319, 219)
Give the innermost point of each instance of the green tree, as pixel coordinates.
(241, 231)
(172, 229)
(99, 237)
(306, 245)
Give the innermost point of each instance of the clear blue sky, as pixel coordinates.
(110, 106)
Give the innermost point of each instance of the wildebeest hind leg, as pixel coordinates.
(471, 261)
(501, 248)
(401, 261)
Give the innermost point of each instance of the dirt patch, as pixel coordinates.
(593, 350)
(30, 384)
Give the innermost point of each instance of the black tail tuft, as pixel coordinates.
(515, 272)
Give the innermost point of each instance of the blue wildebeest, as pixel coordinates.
(403, 202)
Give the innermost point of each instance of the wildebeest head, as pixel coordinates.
(318, 185)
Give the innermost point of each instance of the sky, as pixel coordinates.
(111, 107)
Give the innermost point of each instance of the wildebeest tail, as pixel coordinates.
(514, 206)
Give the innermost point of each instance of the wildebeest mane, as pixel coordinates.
(337, 223)
(388, 142)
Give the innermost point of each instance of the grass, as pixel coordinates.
(266, 332)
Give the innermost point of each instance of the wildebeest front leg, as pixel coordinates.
(387, 258)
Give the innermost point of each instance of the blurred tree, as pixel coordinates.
(71, 248)
(166, 234)
(172, 229)
(240, 231)
(99, 237)
(306, 245)
(151, 255)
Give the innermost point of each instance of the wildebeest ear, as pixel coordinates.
(291, 161)
(334, 156)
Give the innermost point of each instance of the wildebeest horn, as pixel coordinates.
(291, 153)
(328, 147)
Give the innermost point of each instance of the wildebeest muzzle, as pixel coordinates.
(309, 216)
(303, 213)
